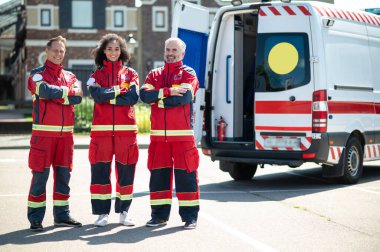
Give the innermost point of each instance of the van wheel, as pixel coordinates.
(352, 162)
(242, 171)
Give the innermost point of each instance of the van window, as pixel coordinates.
(282, 61)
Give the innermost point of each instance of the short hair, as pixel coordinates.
(98, 52)
(59, 38)
(179, 41)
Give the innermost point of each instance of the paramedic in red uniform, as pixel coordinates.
(113, 87)
(170, 91)
(55, 92)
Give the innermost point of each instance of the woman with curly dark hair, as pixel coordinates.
(114, 88)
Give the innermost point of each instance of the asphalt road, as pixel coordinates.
(281, 209)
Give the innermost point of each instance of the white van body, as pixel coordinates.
(295, 82)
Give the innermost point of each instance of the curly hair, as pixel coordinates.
(98, 52)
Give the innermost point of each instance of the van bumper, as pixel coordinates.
(244, 153)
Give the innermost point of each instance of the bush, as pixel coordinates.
(84, 112)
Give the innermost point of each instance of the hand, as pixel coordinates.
(78, 92)
(177, 91)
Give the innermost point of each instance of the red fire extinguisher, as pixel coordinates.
(222, 125)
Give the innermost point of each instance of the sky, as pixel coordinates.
(359, 4)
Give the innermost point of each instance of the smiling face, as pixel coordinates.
(112, 51)
(173, 52)
(56, 52)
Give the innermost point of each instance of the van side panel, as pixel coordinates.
(374, 50)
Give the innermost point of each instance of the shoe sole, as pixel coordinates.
(36, 229)
(189, 228)
(156, 225)
(65, 225)
(128, 225)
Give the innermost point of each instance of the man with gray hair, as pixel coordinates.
(170, 90)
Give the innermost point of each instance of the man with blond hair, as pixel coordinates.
(55, 92)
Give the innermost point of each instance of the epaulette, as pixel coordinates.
(189, 70)
(37, 70)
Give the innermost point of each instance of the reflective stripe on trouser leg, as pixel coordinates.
(61, 193)
(187, 191)
(37, 195)
(160, 187)
(101, 188)
(124, 188)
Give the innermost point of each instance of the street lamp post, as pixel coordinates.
(132, 45)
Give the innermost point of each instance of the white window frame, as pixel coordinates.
(39, 9)
(111, 9)
(155, 10)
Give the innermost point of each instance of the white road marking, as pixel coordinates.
(238, 234)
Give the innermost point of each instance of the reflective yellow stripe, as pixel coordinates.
(148, 86)
(66, 102)
(160, 104)
(160, 202)
(111, 127)
(124, 197)
(117, 90)
(65, 92)
(101, 196)
(52, 128)
(188, 86)
(132, 84)
(161, 93)
(188, 202)
(38, 87)
(60, 202)
(36, 204)
(172, 132)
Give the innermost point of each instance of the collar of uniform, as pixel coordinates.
(53, 67)
(173, 65)
(108, 64)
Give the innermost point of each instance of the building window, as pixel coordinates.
(160, 18)
(118, 18)
(82, 14)
(45, 17)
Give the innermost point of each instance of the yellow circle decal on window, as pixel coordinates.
(283, 58)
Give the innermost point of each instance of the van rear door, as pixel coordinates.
(283, 78)
(191, 24)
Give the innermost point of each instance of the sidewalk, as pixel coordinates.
(80, 141)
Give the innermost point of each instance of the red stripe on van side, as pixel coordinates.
(259, 146)
(332, 153)
(377, 108)
(338, 12)
(282, 128)
(351, 108)
(283, 107)
(274, 11)
(262, 13)
(318, 10)
(289, 10)
(304, 10)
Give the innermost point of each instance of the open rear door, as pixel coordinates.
(191, 24)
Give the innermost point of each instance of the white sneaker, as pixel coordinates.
(125, 220)
(102, 220)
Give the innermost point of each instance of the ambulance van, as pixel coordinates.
(285, 83)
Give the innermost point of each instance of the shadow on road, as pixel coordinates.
(93, 235)
(280, 186)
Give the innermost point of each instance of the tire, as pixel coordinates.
(242, 171)
(352, 162)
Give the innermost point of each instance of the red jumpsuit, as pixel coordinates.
(113, 132)
(52, 138)
(172, 141)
